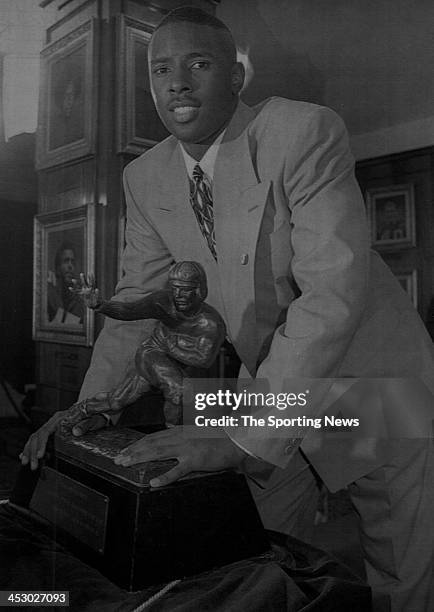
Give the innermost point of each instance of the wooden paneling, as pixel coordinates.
(417, 168)
(62, 366)
(67, 186)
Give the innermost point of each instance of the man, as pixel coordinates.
(62, 305)
(286, 253)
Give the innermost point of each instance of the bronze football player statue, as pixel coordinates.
(186, 338)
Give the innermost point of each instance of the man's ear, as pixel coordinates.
(238, 76)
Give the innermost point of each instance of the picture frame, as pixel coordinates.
(391, 213)
(68, 98)
(138, 125)
(64, 246)
(408, 281)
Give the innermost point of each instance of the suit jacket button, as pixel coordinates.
(244, 259)
(292, 445)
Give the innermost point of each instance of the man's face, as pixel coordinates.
(67, 266)
(195, 82)
(186, 296)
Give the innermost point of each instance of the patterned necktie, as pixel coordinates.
(201, 202)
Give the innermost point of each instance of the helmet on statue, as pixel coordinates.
(191, 274)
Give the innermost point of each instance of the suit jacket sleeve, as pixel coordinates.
(330, 266)
(145, 263)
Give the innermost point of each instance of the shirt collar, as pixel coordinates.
(207, 162)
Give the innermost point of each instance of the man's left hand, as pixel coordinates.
(193, 454)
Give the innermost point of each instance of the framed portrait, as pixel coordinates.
(66, 126)
(64, 246)
(138, 124)
(408, 281)
(391, 214)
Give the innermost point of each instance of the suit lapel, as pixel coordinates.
(239, 203)
(175, 214)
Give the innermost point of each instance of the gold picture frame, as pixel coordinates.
(138, 124)
(68, 98)
(64, 246)
(391, 212)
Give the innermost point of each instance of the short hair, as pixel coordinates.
(190, 272)
(191, 14)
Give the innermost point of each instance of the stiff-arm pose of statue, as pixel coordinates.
(187, 337)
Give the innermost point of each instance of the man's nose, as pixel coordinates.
(180, 81)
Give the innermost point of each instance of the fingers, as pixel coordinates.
(158, 442)
(79, 285)
(91, 281)
(179, 471)
(140, 455)
(161, 445)
(83, 281)
(87, 282)
(75, 287)
(84, 284)
(98, 421)
(34, 448)
(152, 450)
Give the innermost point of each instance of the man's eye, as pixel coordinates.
(200, 65)
(160, 70)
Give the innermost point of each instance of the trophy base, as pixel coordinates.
(137, 536)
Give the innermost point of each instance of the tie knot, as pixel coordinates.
(197, 173)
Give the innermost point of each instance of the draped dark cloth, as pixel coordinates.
(293, 577)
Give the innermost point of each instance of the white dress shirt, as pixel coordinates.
(207, 162)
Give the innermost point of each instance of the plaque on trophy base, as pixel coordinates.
(112, 519)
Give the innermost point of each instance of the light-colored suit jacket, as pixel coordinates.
(299, 289)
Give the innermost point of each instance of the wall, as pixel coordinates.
(21, 37)
(415, 168)
(370, 60)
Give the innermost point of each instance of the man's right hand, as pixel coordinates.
(34, 448)
(75, 419)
